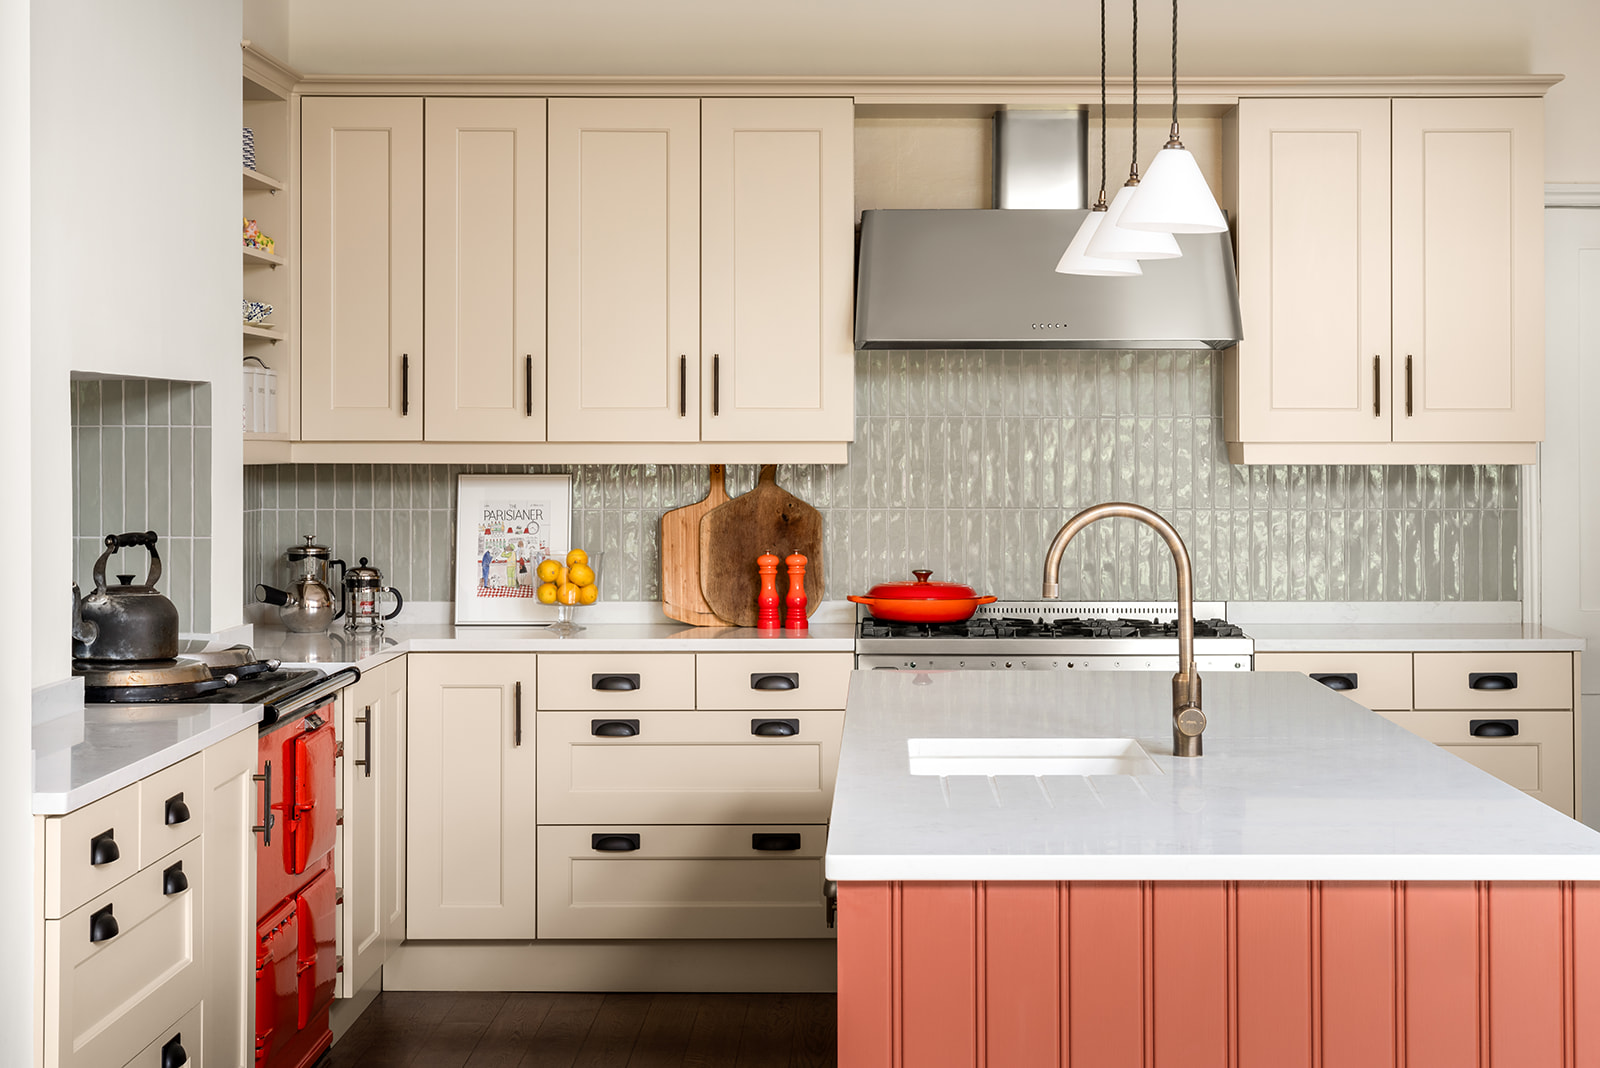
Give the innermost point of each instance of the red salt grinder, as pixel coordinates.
(767, 602)
(795, 617)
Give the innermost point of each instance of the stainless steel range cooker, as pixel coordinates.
(1056, 636)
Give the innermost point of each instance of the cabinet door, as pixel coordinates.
(360, 927)
(1469, 269)
(233, 805)
(1313, 238)
(389, 749)
(624, 270)
(470, 793)
(485, 273)
(777, 270)
(361, 264)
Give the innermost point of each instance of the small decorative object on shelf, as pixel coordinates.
(249, 148)
(795, 617)
(767, 602)
(255, 311)
(254, 238)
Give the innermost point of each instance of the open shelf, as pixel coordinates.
(255, 180)
(251, 256)
(271, 333)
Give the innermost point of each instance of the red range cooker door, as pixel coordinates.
(277, 981)
(317, 905)
(313, 808)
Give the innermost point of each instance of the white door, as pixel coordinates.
(485, 272)
(389, 747)
(624, 270)
(777, 269)
(362, 708)
(361, 269)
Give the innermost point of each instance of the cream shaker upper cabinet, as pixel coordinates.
(485, 274)
(1313, 233)
(361, 262)
(624, 270)
(1469, 269)
(777, 266)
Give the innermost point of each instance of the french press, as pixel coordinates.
(363, 592)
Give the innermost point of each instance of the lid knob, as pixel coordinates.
(922, 574)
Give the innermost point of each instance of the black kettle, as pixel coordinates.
(125, 622)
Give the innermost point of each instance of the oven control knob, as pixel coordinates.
(1008, 663)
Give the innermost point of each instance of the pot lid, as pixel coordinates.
(361, 577)
(310, 549)
(103, 673)
(922, 590)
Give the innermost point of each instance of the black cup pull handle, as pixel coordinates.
(775, 843)
(613, 682)
(775, 728)
(174, 881)
(103, 848)
(1492, 680)
(614, 843)
(1341, 680)
(614, 728)
(177, 811)
(1493, 728)
(102, 926)
(173, 1055)
(774, 680)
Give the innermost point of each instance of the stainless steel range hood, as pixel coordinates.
(985, 278)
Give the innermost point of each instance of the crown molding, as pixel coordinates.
(268, 71)
(1572, 195)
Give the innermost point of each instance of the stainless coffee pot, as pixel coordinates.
(363, 593)
(308, 605)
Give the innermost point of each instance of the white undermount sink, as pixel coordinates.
(1029, 756)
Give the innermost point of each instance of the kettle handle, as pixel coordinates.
(113, 542)
(399, 601)
(340, 587)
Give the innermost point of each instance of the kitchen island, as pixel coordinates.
(1322, 887)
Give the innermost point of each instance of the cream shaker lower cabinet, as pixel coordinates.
(470, 773)
(1508, 712)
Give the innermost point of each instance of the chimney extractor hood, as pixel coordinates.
(986, 278)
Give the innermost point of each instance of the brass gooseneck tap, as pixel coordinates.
(1188, 722)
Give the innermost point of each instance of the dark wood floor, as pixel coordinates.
(443, 1030)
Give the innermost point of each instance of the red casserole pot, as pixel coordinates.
(922, 601)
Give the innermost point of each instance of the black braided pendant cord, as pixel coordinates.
(1133, 165)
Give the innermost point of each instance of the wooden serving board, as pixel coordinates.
(681, 598)
(767, 519)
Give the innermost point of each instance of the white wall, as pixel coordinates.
(266, 26)
(136, 268)
(948, 37)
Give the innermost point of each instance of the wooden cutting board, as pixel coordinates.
(681, 598)
(767, 519)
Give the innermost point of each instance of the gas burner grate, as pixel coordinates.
(1022, 628)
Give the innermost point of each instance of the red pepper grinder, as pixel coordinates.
(767, 602)
(795, 618)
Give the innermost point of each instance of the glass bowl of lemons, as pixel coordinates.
(569, 582)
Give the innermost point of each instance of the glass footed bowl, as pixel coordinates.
(566, 614)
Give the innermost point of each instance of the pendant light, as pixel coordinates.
(1174, 197)
(1111, 241)
(1074, 261)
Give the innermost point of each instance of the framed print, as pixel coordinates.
(506, 524)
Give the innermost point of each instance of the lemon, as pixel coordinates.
(567, 593)
(547, 593)
(561, 576)
(548, 570)
(588, 594)
(580, 575)
(577, 556)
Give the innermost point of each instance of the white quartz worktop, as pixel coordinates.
(1297, 783)
(1412, 637)
(84, 755)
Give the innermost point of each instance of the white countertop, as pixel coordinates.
(1404, 638)
(1297, 783)
(93, 752)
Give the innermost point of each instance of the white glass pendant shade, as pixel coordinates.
(1173, 198)
(1074, 261)
(1112, 242)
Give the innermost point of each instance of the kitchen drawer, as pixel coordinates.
(1381, 681)
(72, 843)
(681, 882)
(172, 808)
(688, 767)
(105, 1001)
(611, 682)
(182, 1039)
(1537, 759)
(1446, 680)
(772, 681)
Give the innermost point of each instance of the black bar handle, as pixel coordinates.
(102, 926)
(146, 538)
(173, 881)
(774, 680)
(1377, 386)
(614, 843)
(527, 388)
(271, 595)
(103, 848)
(1408, 386)
(716, 384)
(366, 729)
(405, 383)
(516, 714)
(614, 728)
(775, 728)
(1336, 680)
(613, 682)
(173, 1055)
(774, 843)
(1492, 680)
(267, 818)
(683, 386)
(177, 811)
(1493, 728)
